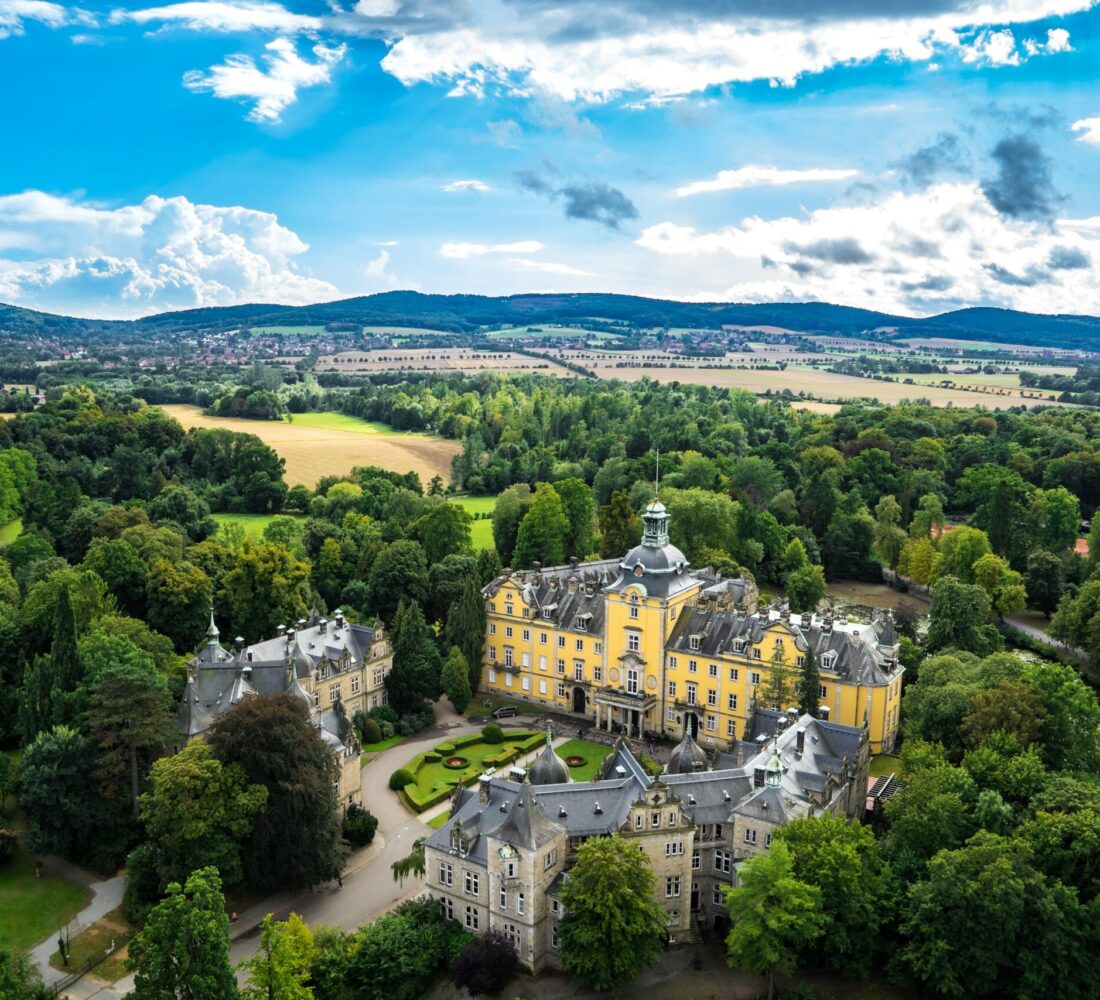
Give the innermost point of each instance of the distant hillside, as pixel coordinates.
(467, 313)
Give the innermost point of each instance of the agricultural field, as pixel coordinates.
(939, 343)
(435, 359)
(405, 331)
(327, 449)
(287, 331)
(482, 528)
(539, 331)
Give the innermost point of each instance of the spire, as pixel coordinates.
(657, 478)
(212, 633)
(549, 733)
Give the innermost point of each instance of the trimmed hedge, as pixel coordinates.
(464, 741)
(400, 778)
(445, 747)
(433, 756)
(499, 759)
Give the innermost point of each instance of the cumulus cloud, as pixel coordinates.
(1088, 129)
(878, 254)
(470, 185)
(757, 176)
(463, 251)
(592, 201)
(1023, 187)
(546, 267)
(596, 50)
(270, 88)
(15, 13)
(165, 253)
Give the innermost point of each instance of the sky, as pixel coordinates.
(910, 156)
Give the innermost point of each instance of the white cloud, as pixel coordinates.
(1058, 40)
(273, 87)
(463, 251)
(13, 14)
(377, 8)
(754, 176)
(903, 252)
(164, 253)
(377, 273)
(545, 267)
(470, 185)
(1089, 129)
(991, 48)
(214, 15)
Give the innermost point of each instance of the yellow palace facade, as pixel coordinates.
(644, 644)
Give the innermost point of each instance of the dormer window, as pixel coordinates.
(582, 625)
(828, 660)
(693, 641)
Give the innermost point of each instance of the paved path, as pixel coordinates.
(106, 896)
(369, 889)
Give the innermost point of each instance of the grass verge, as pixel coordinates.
(32, 909)
(93, 942)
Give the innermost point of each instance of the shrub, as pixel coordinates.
(485, 965)
(383, 713)
(359, 826)
(388, 730)
(492, 733)
(8, 843)
(652, 767)
(400, 778)
(143, 883)
(372, 732)
(415, 722)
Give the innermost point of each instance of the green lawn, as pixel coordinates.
(373, 748)
(253, 524)
(481, 531)
(540, 332)
(477, 710)
(593, 754)
(438, 821)
(345, 422)
(11, 531)
(884, 764)
(32, 909)
(93, 942)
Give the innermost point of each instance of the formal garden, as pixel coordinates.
(431, 777)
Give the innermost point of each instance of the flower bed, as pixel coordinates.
(456, 763)
(575, 761)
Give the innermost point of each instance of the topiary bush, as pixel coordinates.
(492, 733)
(400, 778)
(372, 732)
(359, 826)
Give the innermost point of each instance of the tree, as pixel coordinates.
(1045, 581)
(1011, 708)
(465, 629)
(414, 678)
(959, 549)
(509, 511)
(266, 586)
(1059, 518)
(1003, 584)
(928, 520)
(444, 531)
(281, 967)
(122, 569)
(1002, 502)
(580, 511)
(842, 860)
(182, 952)
(485, 965)
(7, 779)
(959, 619)
(809, 684)
(184, 507)
(57, 792)
(774, 915)
(846, 547)
(66, 669)
(699, 520)
(132, 723)
(36, 697)
(778, 689)
(413, 864)
(17, 980)
(805, 586)
(447, 580)
(543, 531)
(399, 573)
(916, 561)
(456, 679)
(199, 813)
(620, 527)
(613, 927)
(296, 840)
(889, 539)
(178, 599)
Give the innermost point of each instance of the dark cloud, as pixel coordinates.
(1032, 276)
(591, 201)
(1023, 187)
(841, 251)
(803, 268)
(597, 202)
(917, 247)
(921, 167)
(1068, 259)
(1021, 117)
(933, 283)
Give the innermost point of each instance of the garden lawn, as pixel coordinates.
(13, 529)
(32, 909)
(481, 531)
(253, 524)
(593, 754)
(883, 764)
(439, 821)
(373, 748)
(435, 782)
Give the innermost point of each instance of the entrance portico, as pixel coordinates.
(630, 712)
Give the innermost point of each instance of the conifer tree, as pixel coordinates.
(456, 679)
(466, 629)
(414, 677)
(778, 689)
(809, 685)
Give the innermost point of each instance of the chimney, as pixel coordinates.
(806, 619)
(322, 625)
(573, 560)
(339, 618)
(740, 753)
(712, 603)
(290, 634)
(800, 740)
(483, 784)
(238, 643)
(281, 630)
(758, 777)
(785, 613)
(517, 774)
(536, 566)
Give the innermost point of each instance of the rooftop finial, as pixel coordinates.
(212, 629)
(549, 733)
(657, 478)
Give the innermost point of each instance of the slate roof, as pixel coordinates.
(564, 594)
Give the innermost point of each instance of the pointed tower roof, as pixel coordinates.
(527, 825)
(212, 634)
(548, 768)
(688, 757)
(773, 770)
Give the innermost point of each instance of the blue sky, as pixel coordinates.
(908, 155)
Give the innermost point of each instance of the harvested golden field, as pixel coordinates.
(311, 452)
(435, 359)
(827, 385)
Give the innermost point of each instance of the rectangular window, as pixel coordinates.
(597, 673)
(754, 678)
(334, 692)
(712, 670)
(672, 663)
(638, 820)
(578, 670)
(449, 908)
(507, 631)
(693, 666)
(823, 691)
(507, 680)
(674, 848)
(549, 860)
(492, 654)
(691, 689)
(750, 836)
(508, 609)
(632, 682)
(526, 612)
(717, 896)
(492, 605)
(542, 685)
(553, 935)
(672, 689)
(354, 683)
(510, 869)
(542, 664)
(526, 682)
(722, 861)
(543, 638)
(521, 904)
(561, 690)
(694, 861)
(503, 898)
(526, 635)
(767, 840)
(446, 874)
(492, 628)
(560, 666)
(670, 715)
(731, 729)
(712, 723)
(597, 648)
(672, 819)
(471, 883)
(471, 918)
(580, 645)
(755, 653)
(731, 701)
(525, 659)
(492, 677)
(712, 697)
(561, 642)
(555, 907)
(672, 887)
(634, 611)
(633, 642)
(655, 820)
(733, 673)
(799, 661)
(380, 675)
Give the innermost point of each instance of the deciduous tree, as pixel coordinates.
(280, 970)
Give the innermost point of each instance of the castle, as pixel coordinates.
(646, 645)
(335, 667)
(502, 858)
